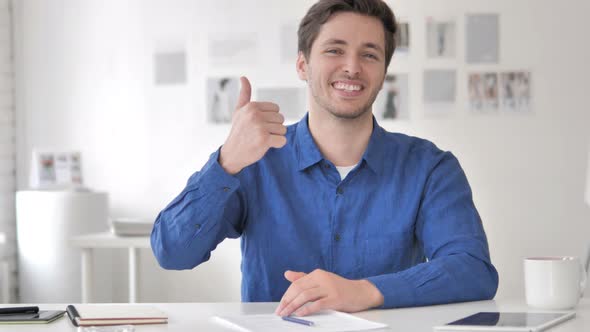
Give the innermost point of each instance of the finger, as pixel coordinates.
(313, 307)
(276, 129)
(272, 117)
(293, 291)
(266, 106)
(245, 92)
(277, 141)
(306, 296)
(305, 282)
(293, 276)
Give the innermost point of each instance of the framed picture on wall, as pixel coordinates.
(56, 170)
(439, 91)
(222, 98)
(483, 91)
(515, 91)
(440, 38)
(392, 101)
(402, 38)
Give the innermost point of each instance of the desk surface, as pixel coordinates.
(196, 316)
(110, 240)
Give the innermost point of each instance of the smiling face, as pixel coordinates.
(346, 65)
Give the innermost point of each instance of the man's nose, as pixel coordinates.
(352, 66)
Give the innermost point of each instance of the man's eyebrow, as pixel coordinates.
(334, 41)
(374, 46)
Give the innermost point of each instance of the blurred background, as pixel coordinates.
(136, 87)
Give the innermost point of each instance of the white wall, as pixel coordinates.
(84, 81)
(7, 153)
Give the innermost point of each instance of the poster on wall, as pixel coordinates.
(515, 91)
(392, 101)
(439, 91)
(402, 38)
(291, 101)
(483, 38)
(235, 49)
(440, 38)
(483, 91)
(170, 68)
(222, 98)
(55, 170)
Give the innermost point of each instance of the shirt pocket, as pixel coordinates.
(387, 250)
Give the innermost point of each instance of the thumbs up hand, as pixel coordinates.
(256, 127)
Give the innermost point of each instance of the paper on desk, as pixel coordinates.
(325, 321)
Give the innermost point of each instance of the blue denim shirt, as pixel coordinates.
(403, 218)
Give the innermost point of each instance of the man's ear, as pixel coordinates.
(301, 65)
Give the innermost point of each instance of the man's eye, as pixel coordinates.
(333, 51)
(371, 56)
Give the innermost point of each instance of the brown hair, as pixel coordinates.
(322, 10)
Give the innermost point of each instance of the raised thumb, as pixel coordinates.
(245, 92)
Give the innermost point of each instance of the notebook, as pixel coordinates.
(325, 321)
(41, 317)
(108, 314)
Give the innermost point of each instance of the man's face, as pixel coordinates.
(346, 65)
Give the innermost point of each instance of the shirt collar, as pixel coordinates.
(375, 153)
(308, 153)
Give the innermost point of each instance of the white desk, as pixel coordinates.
(197, 316)
(108, 240)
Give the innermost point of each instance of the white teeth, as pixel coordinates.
(347, 87)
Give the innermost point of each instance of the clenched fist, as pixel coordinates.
(256, 127)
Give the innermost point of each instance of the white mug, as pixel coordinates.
(554, 283)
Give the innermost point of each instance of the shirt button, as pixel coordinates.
(226, 189)
(340, 191)
(337, 237)
(197, 226)
(326, 166)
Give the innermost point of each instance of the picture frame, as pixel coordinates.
(56, 170)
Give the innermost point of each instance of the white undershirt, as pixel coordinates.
(344, 170)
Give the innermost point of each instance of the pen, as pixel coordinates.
(19, 310)
(297, 320)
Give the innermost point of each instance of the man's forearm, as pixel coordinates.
(206, 212)
(453, 278)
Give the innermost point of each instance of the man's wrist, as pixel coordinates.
(373, 294)
(227, 166)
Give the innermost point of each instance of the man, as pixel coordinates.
(334, 212)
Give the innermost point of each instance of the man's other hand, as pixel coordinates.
(319, 290)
